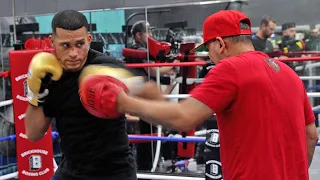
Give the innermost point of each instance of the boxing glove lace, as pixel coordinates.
(43, 68)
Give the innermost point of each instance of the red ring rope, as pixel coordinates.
(4, 74)
(279, 53)
(139, 65)
(315, 58)
(201, 63)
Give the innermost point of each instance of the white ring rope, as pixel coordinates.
(184, 96)
(190, 81)
(9, 176)
(167, 177)
(316, 107)
(170, 96)
(309, 77)
(201, 133)
(5, 103)
(308, 66)
(313, 94)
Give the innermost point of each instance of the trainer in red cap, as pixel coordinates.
(266, 124)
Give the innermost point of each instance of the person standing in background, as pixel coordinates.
(288, 43)
(260, 39)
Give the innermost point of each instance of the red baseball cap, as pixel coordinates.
(223, 24)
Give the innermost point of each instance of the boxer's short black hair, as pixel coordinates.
(69, 20)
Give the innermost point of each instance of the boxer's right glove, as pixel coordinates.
(99, 87)
(43, 68)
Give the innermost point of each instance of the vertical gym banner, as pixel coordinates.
(35, 159)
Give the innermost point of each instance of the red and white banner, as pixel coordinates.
(35, 159)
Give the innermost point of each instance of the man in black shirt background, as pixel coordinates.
(288, 43)
(260, 39)
(92, 148)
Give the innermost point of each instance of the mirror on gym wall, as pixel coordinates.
(107, 27)
(183, 22)
(7, 148)
(5, 47)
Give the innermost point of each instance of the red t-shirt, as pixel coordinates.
(262, 111)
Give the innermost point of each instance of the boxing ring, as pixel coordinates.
(182, 138)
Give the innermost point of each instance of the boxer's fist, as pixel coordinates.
(99, 87)
(43, 68)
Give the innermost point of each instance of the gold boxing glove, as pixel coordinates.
(99, 86)
(43, 68)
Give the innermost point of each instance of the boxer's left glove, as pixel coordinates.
(99, 87)
(43, 68)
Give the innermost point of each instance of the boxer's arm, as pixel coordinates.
(183, 116)
(36, 123)
(43, 68)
